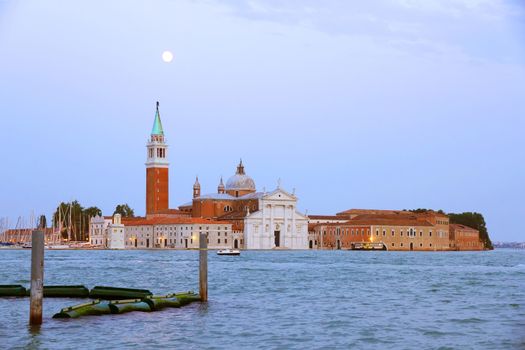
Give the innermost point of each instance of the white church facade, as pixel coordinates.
(277, 224)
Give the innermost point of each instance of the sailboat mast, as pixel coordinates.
(69, 226)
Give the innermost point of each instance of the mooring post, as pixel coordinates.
(37, 277)
(203, 266)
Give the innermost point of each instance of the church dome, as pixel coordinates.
(240, 181)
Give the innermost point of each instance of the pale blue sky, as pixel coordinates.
(357, 104)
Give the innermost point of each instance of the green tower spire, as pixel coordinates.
(157, 124)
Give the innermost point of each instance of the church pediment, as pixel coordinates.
(280, 194)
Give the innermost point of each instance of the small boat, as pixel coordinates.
(27, 245)
(59, 246)
(229, 252)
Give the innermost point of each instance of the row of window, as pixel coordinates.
(165, 242)
(180, 234)
(161, 152)
(171, 228)
(410, 232)
(420, 244)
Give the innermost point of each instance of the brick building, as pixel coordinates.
(465, 238)
(396, 230)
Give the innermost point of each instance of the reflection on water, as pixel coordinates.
(308, 299)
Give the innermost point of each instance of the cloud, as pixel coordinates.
(461, 28)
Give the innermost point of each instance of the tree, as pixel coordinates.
(422, 210)
(92, 211)
(73, 220)
(476, 221)
(124, 210)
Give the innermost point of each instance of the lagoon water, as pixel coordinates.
(283, 300)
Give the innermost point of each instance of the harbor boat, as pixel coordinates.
(27, 245)
(368, 246)
(229, 252)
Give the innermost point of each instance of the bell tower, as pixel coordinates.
(157, 192)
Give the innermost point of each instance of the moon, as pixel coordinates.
(167, 56)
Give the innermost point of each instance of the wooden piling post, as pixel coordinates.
(203, 266)
(37, 277)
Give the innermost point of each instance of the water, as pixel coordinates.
(283, 300)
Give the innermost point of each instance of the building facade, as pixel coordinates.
(98, 230)
(465, 238)
(277, 224)
(178, 233)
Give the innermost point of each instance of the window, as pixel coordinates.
(219, 241)
(384, 232)
(225, 241)
(393, 232)
(393, 244)
(430, 233)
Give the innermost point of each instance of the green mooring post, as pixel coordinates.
(203, 266)
(37, 277)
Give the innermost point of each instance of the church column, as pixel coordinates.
(272, 240)
(261, 233)
(294, 227)
(285, 233)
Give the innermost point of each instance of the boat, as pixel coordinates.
(27, 245)
(58, 246)
(229, 252)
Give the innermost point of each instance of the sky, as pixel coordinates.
(387, 104)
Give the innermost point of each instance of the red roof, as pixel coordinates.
(170, 221)
(234, 215)
(390, 220)
(388, 212)
(462, 227)
(327, 217)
